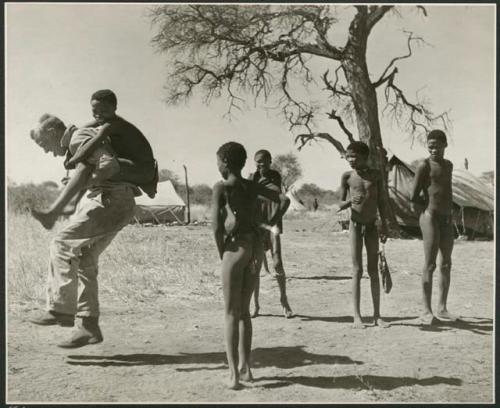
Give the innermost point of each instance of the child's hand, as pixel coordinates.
(383, 237)
(65, 180)
(275, 230)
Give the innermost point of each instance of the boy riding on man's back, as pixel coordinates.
(364, 187)
(132, 149)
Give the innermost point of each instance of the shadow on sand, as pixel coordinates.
(324, 277)
(357, 382)
(280, 357)
(349, 319)
(477, 325)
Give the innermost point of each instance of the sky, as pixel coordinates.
(57, 55)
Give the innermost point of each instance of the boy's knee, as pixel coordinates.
(446, 265)
(373, 273)
(431, 267)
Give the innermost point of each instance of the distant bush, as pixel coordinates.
(198, 193)
(23, 196)
(309, 191)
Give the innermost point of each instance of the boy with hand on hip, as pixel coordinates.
(364, 187)
(433, 179)
(271, 240)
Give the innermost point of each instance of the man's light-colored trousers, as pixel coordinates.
(74, 252)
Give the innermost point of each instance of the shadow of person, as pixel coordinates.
(477, 325)
(280, 357)
(324, 277)
(349, 319)
(474, 325)
(358, 382)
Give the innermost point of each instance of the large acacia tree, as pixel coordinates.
(272, 52)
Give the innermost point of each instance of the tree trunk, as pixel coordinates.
(364, 99)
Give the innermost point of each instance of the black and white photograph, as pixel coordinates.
(249, 203)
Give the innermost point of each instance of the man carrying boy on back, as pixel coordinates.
(364, 187)
(271, 240)
(74, 251)
(433, 179)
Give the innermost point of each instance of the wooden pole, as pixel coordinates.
(188, 213)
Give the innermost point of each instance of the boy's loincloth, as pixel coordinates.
(364, 228)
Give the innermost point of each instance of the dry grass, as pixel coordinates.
(141, 263)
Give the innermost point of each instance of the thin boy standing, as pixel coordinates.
(364, 187)
(433, 180)
(235, 221)
(270, 240)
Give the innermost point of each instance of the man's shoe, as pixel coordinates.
(51, 318)
(87, 332)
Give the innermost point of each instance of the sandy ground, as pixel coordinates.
(172, 350)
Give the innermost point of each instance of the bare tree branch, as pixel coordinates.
(342, 91)
(309, 137)
(383, 78)
(419, 116)
(333, 115)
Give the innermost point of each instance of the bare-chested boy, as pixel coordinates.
(364, 187)
(235, 220)
(133, 151)
(271, 241)
(433, 179)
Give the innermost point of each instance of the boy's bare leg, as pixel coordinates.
(357, 271)
(260, 257)
(245, 345)
(236, 257)
(266, 266)
(446, 248)
(371, 242)
(430, 237)
(280, 274)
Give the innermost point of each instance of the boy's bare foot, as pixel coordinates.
(427, 319)
(233, 382)
(380, 323)
(246, 374)
(445, 315)
(255, 312)
(358, 324)
(287, 312)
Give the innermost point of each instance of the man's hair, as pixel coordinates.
(263, 152)
(234, 154)
(105, 95)
(48, 121)
(359, 147)
(438, 135)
